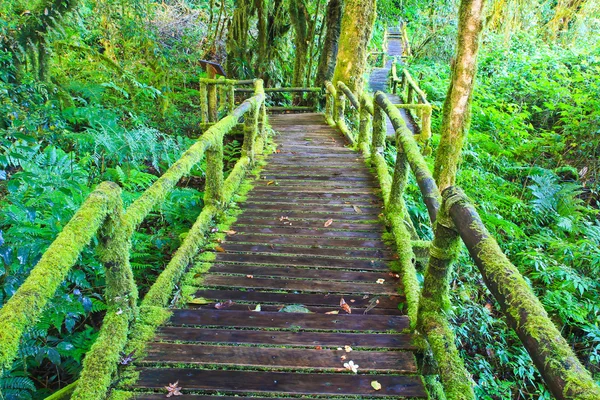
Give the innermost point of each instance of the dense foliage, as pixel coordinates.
(531, 166)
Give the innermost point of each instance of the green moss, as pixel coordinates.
(49, 273)
(121, 395)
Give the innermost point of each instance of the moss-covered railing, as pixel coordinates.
(452, 217)
(313, 95)
(413, 98)
(102, 214)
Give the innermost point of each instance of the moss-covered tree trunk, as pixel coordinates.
(302, 25)
(457, 112)
(329, 53)
(357, 27)
(237, 39)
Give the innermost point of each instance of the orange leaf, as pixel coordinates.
(250, 276)
(230, 233)
(219, 249)
(345, 306)
(328, 222)
(318, 348)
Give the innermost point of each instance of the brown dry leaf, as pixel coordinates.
(219, 240)
(328, 222)
(250, 276)
(230, 232)
(380, 281)
(343, 358)
(219, 249)
(352, 300)
(318, 348)
(277, 151)
(345, 306)
(173, 389)
(223, 305)
(488, 306)
(332, 312)
(356, 209)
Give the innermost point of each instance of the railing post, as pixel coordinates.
(204, 102)
(340, 107)
(212, 102)
(231, 96)
(213, 191)
(379, 131)
(409, 95)
(364, 131)
(435, 301)
(426, 124)
(250, 132)
(121, 293)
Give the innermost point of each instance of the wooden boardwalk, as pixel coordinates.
(379, 81)
(285, 253)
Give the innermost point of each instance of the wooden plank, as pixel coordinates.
(282, 382)
(306, 241)
(308, 223)
(338, 178)
(336, 208)
(299, 232)
(303, 261)
(314, 201)
(317, 190)
(400, 362)
(322, 215)
(287, 338)
(314, 309)
(316, 155)
(294, 321)
(307, 299)
(307, 251)
(308, 273)
(284, 183)
(298, 285)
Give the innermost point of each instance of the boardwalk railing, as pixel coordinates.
(102, 214)
(452, 217)
(413, 97)
(218, 97)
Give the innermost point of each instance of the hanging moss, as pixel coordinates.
(25, 307)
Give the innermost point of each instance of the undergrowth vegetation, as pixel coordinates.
(531, 165)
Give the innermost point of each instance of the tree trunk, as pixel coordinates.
(457, 107)
(301, 21)
(357, 27)
(330, 50)
(237, 40)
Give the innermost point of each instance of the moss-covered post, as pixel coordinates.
(250, 132)
(340, 107)
(425, 124)
(121, 294)
(204, 102)
(364, 131)
(262, 128)
(435, 302)
(379, 131)
(456, 110)
(213, 190)
(231, 96)
(330, 94)
(212, 102)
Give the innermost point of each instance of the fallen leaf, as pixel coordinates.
(230, 233)
(328, 222)
(219, 249)
(173, 389)
(219, 240)
(270, 183)
(199, 300)
(372, 304)
(318, 348)
(296, 308)
(357, 210)
(352, 300)
(225, 304)
(332, 312)
(376, 385)
(343, 358)
(351, 366)
(339, 348)
(277, 151)
(380, 281)
(366, 296)
(257, 308)
(345, 306)
(348, 349)
(127, 358)
(250, 276)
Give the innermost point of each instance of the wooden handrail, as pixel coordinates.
(453, 219)
(102, 214)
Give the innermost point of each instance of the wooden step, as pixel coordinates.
(280, 358)
(303, 261)
(307, 251)
(332, 340)
(294, 321)
(288, 383)
(356, 301)
(313, 233)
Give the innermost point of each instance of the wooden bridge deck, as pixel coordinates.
(283, 254)
(379, 78)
